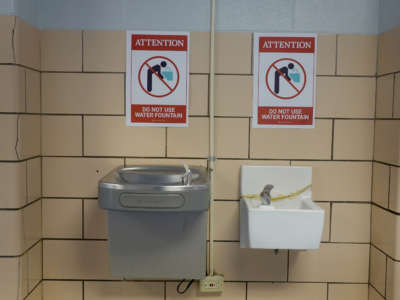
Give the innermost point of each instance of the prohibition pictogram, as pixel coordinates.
(283, 81)
(162, 69)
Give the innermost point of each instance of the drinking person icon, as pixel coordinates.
(154, 69)
(284, 71)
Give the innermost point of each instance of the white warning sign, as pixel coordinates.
(157, 79)
(284, 80)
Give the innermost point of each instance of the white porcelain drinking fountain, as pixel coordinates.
(276, 209)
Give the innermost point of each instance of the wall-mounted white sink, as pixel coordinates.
(293, 223)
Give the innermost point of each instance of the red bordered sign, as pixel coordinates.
(284, 80)
(157, 79)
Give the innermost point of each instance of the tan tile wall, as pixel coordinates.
(20, 161)
(84, 137)
(385, 217)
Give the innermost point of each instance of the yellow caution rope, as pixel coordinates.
(280, 197)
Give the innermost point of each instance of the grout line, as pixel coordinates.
(83, 219)
(330, 221)
(388, 194)
(327, 291)
(387, 255)
(249, 140)
(333, 138)
(379, 293)
(17, 139)
(247, 290)
(25, 89)
(336, 61)
(386, 209)
(386, 277)
(165, 290)
(83, 289)
(83, 136)
(394, 93)
(22, 207)
(288, 265)
(23, 253)
(166, 141)
(203, 158)
(82, 52)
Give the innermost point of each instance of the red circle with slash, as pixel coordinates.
(146, 64)
(298, 91)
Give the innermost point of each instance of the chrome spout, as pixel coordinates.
(265, 195)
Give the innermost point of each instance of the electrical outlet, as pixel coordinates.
(212, 284)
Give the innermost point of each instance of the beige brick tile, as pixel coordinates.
(81, 259)
(331, 263)
(34, 266)
(396, 101)
(227, 176)
(13, 284)
(232, 137)
(340, 181)
(394, 195)
(287, 291)
(327, 220)
(95, 220)
(36, 294)
(32, 222)
(12, 85)
(11, 232)
(240, 264)
(326, 54)
(62, 135)
(348, 291)
(29, 136)
(27, 44)
(380, 184)
(34, 179)
(387, 141)
(109, 136)
(32, 91)
(189, 142)
(353, 139)
(166, 161)
(226, 221)
(233, 52)
(198, 95)
(278, 144)
(23, 275)
(75, 177)
(357, 54)
(104, 50)
(61, 50)
(233, 95)
(77, 93)
(388, 49)
(392, 280)
(6, 35)
(385, 227)
(199, 52)
(8, 137)
(384, 96)
(232, 291)
(97, 290)
(62, 290)
(377, 269)
(351, 222)
(374, 295)
(345, 97)
(13, 192)
(62, 218)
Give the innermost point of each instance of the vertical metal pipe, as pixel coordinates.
(211, 162)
